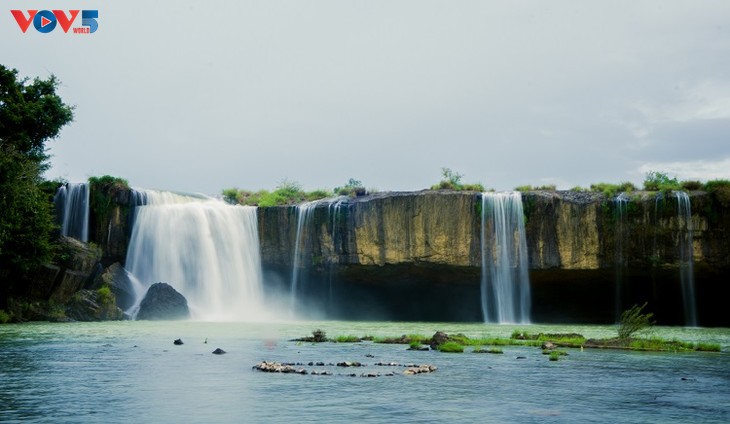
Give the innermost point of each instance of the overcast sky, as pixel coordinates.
(201, 96)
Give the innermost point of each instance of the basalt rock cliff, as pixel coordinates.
(418, 255)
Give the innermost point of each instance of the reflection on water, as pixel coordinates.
(132, 372)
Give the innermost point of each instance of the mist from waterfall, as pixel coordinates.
(206, 249)
(505, 281)
(72, 210)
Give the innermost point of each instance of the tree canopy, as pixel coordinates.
(31, 113)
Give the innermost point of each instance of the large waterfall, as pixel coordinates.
(684, 216)
(206, 249)
(505, 278)
(72, 210)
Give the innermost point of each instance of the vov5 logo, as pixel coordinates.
(46, 21)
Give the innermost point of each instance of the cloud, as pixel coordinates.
(691, 170)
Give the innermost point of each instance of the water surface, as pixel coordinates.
(132, 372)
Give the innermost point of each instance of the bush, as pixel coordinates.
(659, 181)
(634, 320)
(523, 188)
(473, 187)
(612, 190)
(4, 317)
(452, 181)
(691, 185)
(353, 188)
(546, 187)
(287, 193)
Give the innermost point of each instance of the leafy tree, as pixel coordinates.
(31, 113)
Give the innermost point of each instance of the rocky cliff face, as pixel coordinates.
(109, 223)
(418, 255)
(584, 250)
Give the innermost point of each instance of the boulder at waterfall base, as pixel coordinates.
(163, 302)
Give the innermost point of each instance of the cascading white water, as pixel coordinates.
(333, 210)
(304, 212)
(684, 216)
(505, 277)
(621, 201)
(206, 249)
(72, 209)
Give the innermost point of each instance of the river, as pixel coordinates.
(114, 372)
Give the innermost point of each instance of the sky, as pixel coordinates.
(200, 96)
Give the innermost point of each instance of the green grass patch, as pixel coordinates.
(347, 339)
(404, 339)
(555, 355)
(559, 339)
(451, 347)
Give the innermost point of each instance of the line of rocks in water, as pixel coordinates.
(294, 368)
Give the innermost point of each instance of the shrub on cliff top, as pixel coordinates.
(659, 181)
(612, 190)
(353, 188)
(288, 192)
(451, 180)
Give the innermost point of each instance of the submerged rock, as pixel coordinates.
(266, 366)
(420, 369)
(163, 302)
(548, 345)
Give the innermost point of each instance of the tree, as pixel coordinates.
(31, 113)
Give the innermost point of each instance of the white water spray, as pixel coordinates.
(505, 277)
(206, 249)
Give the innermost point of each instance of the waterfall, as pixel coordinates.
(206, 249)
(72, 210)
(505, 276)
(684, 217)
(304, 213)
(333, 211)
(621, 202)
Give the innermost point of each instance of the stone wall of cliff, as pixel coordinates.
(583, 251)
